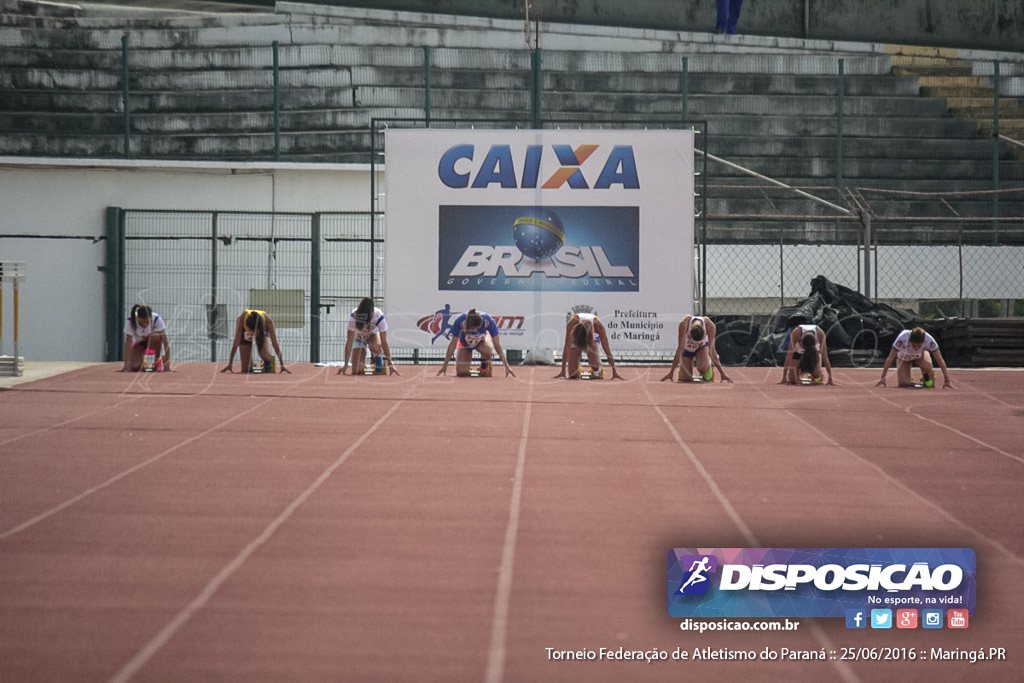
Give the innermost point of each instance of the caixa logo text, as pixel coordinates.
(460, 167)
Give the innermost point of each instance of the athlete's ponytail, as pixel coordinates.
(363, 313)
(809, 359)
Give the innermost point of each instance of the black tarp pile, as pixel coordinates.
(858, 331)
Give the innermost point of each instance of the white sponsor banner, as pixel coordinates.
(533, 225)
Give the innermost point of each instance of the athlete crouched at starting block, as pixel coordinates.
(145, 334)
(696, 347)
(474, 331)
(805, 357)
(915, 347)
(254, 331)
(367, 329)
(583, 333)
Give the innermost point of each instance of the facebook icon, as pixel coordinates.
(856, 618)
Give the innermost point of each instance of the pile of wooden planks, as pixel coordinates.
(979, 342)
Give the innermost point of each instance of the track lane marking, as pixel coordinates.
(158, 641)
(502, 598)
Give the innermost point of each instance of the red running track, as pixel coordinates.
(201, 526)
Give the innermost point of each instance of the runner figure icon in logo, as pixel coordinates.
(697, 573)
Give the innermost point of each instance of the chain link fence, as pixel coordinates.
(199, 270)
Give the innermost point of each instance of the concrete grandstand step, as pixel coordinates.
(577, 36)
(228, 123)
(251, 145)
(92, 18)
(656, 103)
(801, 85)
(1013, 128)
(218, 58)
(947, 91)
(929, 67)
(198, 80)
(818, 187)
(944, 81)
(981, 113)
(919, 128)
(733, 203)
(853, 147)
(877, 169)
(23, 8)
(985, 65)
(251, 68)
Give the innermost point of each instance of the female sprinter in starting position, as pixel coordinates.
(915, 347)
(696, 341)
(145, 330)
(254, 329)
(367, 329)
(813, 353)
(474, 330)
(584, 332)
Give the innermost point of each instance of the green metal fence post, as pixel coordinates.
(114, 291)
(277, 101)
(840, 94)
(995, 153)
(426, 84)
(314, 289)
(373, 194)
(685, 85)
(213, 323)
(782, 269)
(126, 99)
(538, 87)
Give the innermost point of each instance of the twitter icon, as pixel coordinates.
(881, 618)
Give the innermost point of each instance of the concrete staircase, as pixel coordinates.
(967, 85)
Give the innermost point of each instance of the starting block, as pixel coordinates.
(372, 370)
(809, 379)
(261, 367)
(590, 373)
(708, 376)
(920, 384)
(478, 372)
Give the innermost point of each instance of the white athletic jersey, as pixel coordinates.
(905, 352)
(689, 343)
(809, 329)
(140, 332)
(377, 324)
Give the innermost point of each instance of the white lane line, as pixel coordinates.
(68, 421)
(135, 468)
(499, 624)
(118, 477)
(845, 672)
(909, 411)
(899, 484)
(142, 657)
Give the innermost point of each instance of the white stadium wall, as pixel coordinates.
(53, 219)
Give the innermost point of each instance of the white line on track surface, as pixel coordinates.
(157, 642)
(499, 624)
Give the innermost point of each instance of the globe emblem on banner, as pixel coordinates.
(538, 233)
